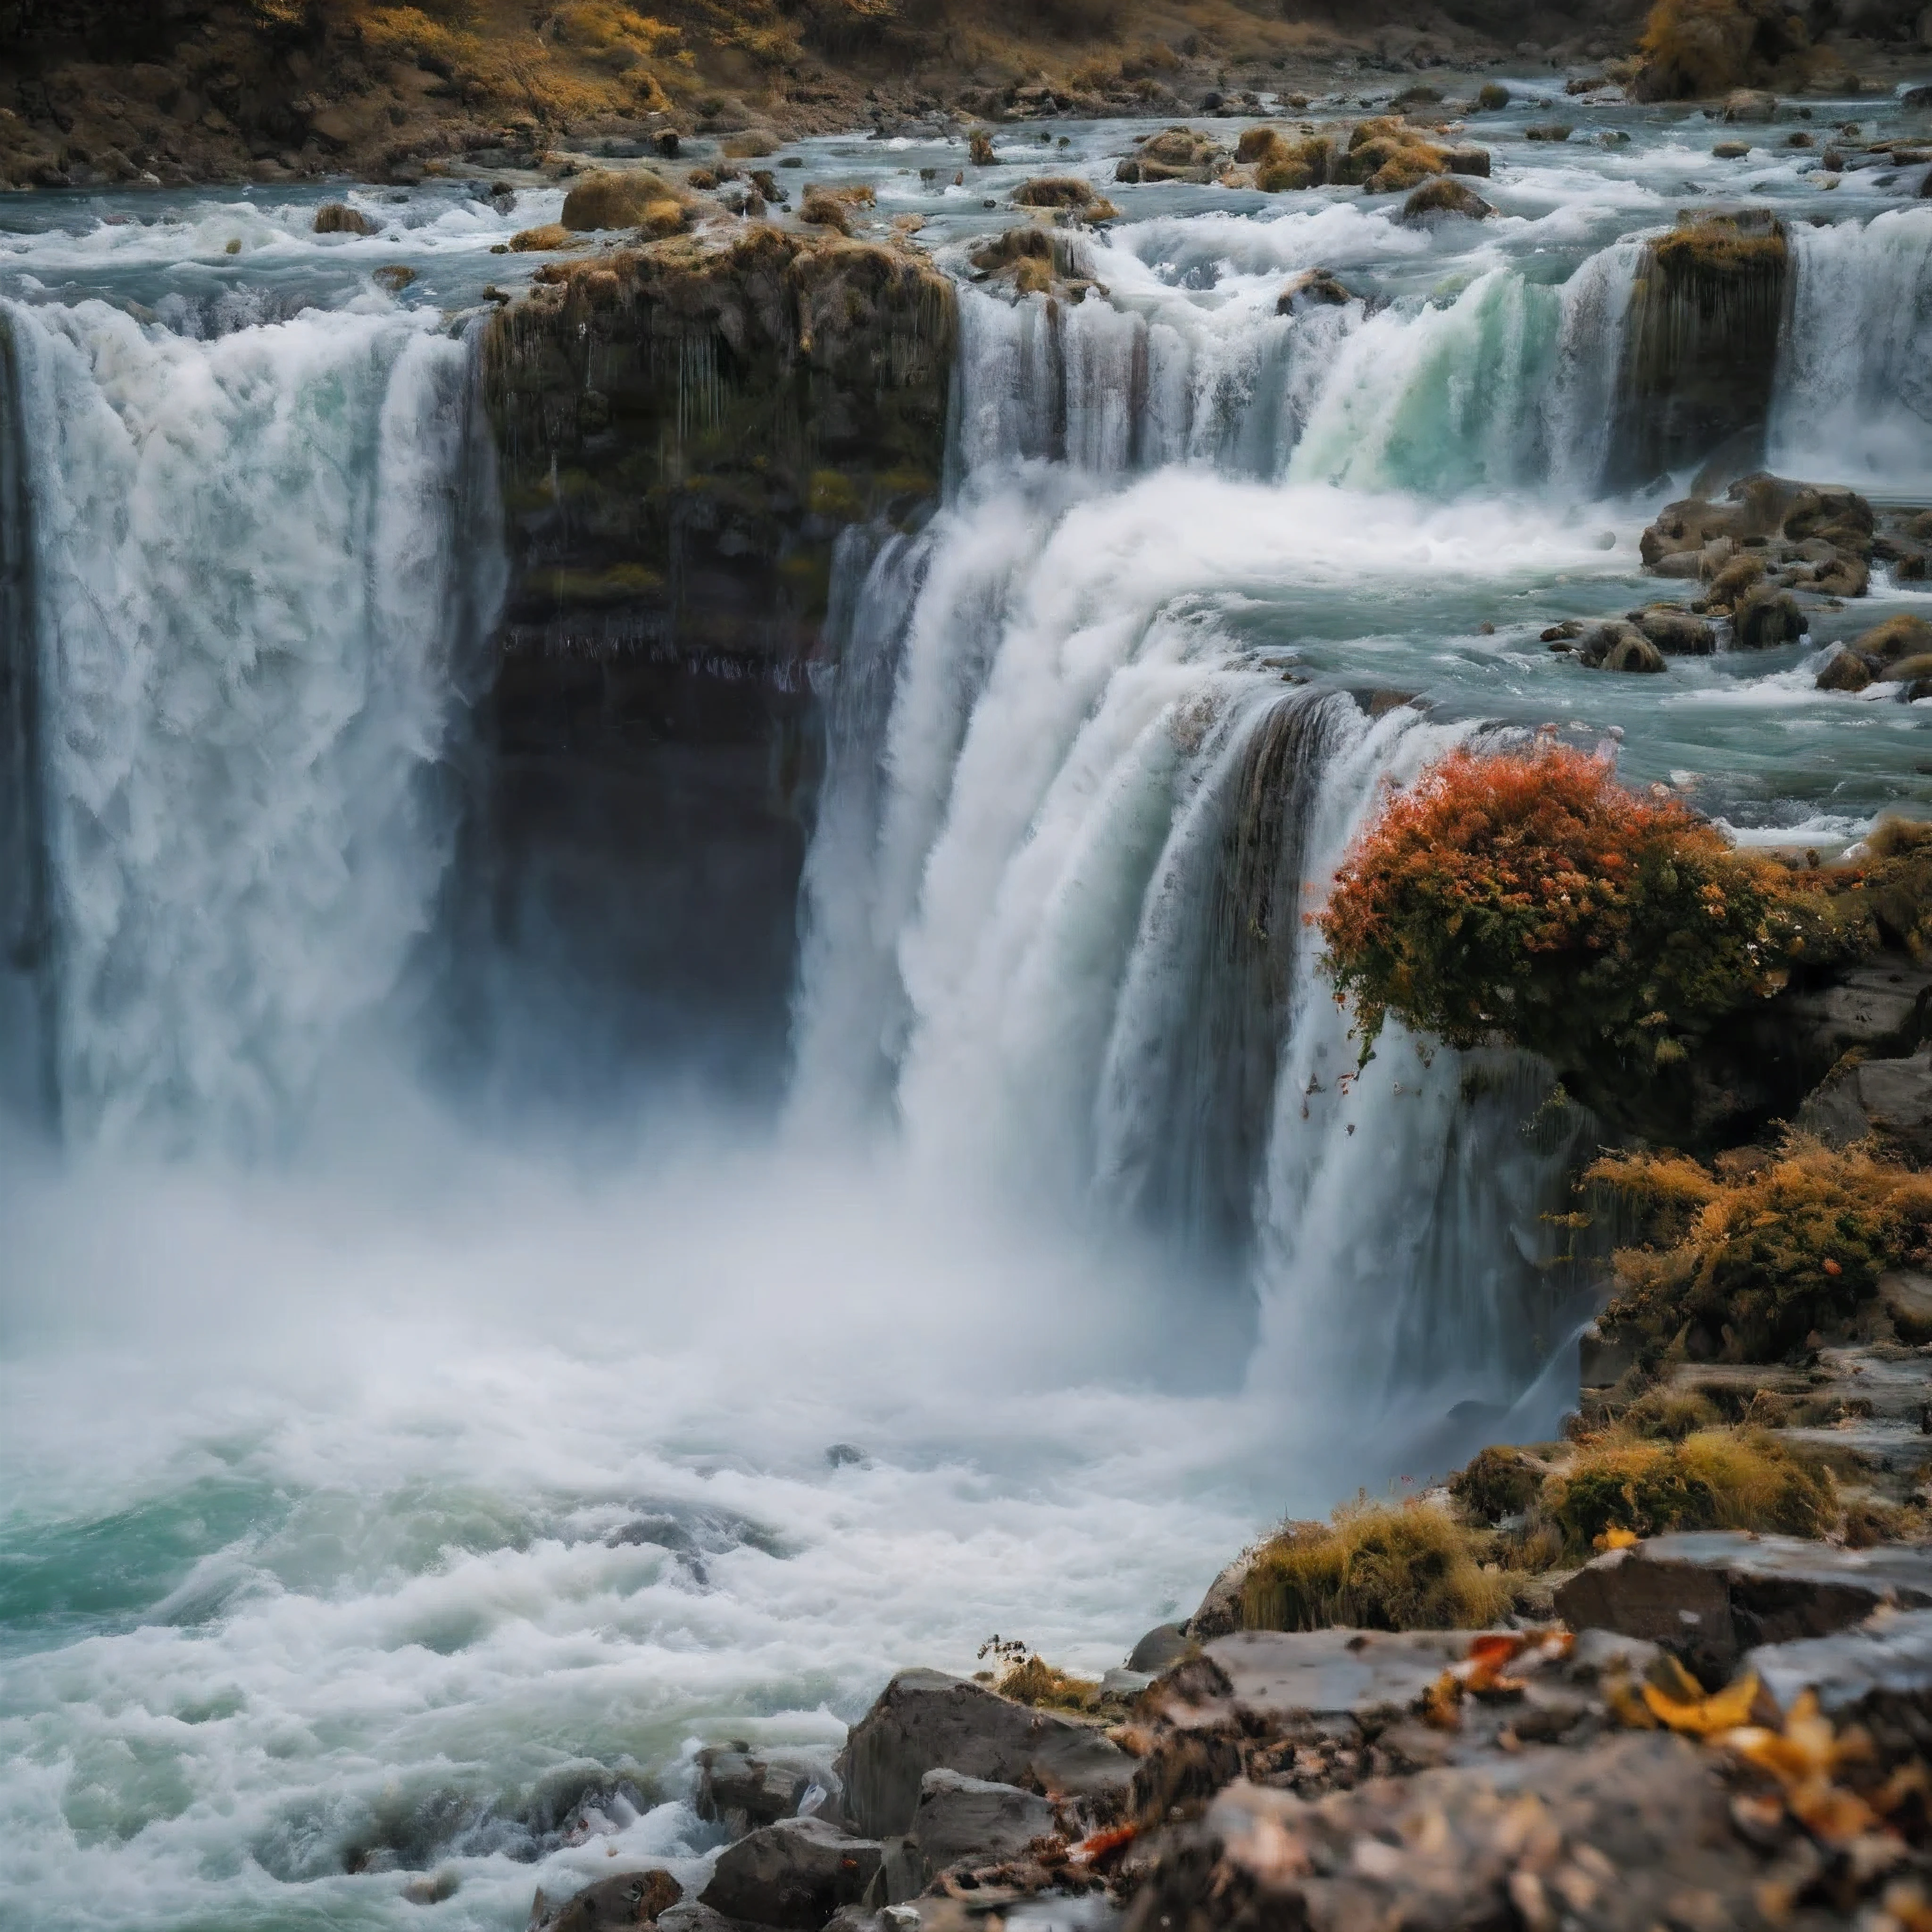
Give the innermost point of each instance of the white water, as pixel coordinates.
(319, 1469)
(252, 564)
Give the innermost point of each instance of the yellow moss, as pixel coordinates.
(833, 494)
(1376, 1567)
(1713, 1479)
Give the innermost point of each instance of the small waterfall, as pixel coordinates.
(1187, 1092)
(256, 561)
(1853, 398)
(1506, 383)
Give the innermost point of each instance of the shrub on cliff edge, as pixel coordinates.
(1528, 896)
(1748, 1264)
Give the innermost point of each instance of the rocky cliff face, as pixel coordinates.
(684, 431)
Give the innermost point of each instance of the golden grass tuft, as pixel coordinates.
(1042, 1684)
(1377, 1567)
(1713, 1479)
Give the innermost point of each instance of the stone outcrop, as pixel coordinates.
(685, 430)
(1890, 1099)
(1700, 347)
(1709, 1596)
(925, 1720)
(795, 1874)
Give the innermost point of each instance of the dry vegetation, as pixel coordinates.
(1748, 1261)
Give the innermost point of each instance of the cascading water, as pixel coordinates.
(256, 561)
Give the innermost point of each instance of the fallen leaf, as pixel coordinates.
(1724, 1710)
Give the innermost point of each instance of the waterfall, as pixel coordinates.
(256, 561)
(1853, 399)
(1055, 905)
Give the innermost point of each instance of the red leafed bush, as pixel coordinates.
(1530, 897)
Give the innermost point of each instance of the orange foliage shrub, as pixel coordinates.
(1530, 896)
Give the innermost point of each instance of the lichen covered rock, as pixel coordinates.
(638, 199)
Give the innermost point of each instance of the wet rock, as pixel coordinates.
(1701, 344)
(1709, 1596)
(640, 199)
(961, 1818)
(1845, 671)
(1891, 1099)
(1898, 638)
(393, 277)
(1175, 153)
(1445, 195)
(690, 1916)
(1619, 647)
(744, 1789)
(546, 240)
(1163, 1647)
(1763, 619)
(1675, 631)
(1468, 159)
(1746, 104)
(925, 1720)
(336, 218)
(1906, 1295)
(1054, 191)
(1313, 288)
(616, 1904)
(794, 1874)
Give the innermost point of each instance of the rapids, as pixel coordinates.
(393, 1496)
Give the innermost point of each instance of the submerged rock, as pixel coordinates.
(336, 218)
(620, 1904)
(1620, 646)
(1445, 195)
(794, 1874)
(1675, 631)
(925, 1720)
(1313, 288)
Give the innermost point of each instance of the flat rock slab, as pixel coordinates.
(796, 1873)
(1633, 1834)
(1712, 1595)
(1879, 1665)
(1273, 1679)
(960, 1817)
(925, 1721)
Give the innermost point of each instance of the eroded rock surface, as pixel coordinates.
(795, 1874)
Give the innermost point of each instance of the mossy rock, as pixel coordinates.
(640, 199)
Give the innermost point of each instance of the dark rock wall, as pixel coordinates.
(683, 431)
(27, 1085)
(1700, 348)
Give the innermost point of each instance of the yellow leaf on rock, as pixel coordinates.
(1724, 1710)
(1617, 1537)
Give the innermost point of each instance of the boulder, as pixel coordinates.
(1054, 191)
(1891, 1099)
(603, 199)
(925, 1721)
(795, 1874)
(1710, 1595)
(336, 218)
(743, 1789)
(1619, 646)
(1220, 1610)
(546, 240)
(1845, 671)
(1468, 159)
(1675, 631)
(1750, 104)
(1903, 636)
(618, 1903)
(1163, 1647)
(1906, 1295)
(962, 1819)
(1313, 288)
(690, 1916)
(1763, 619)
(1445, 196)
